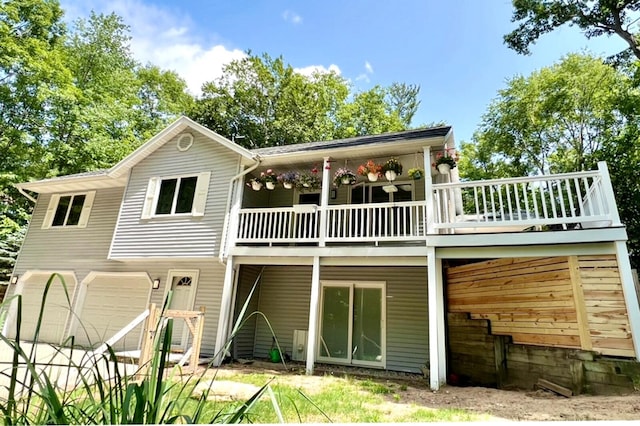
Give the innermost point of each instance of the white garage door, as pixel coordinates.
(56, 308)
(110, 302)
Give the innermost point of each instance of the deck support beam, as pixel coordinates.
(630, 295)
(225, 308)
(437, 343)
(313, 315)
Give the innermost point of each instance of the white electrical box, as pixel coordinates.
(299, 349)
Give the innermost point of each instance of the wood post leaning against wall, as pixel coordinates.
(156, 320)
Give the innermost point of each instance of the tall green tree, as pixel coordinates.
(595, 17)
(563, 118)
(262, 101)
(403, 99)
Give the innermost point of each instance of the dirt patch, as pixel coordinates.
(412, 389)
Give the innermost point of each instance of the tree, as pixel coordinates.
(368, 114)
(564, 118)
(262, 101)
(403, 99)
(595, 18)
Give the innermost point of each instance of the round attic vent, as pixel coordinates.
(184, 142)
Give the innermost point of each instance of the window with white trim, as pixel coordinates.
(176, 196)
(69, 210)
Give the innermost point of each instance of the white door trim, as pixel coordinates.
(352, 286)
(195, 275)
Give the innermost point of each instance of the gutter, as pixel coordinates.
(223, 242)
(27, 196)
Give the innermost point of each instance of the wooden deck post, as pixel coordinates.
(437, 344)
(313, 315)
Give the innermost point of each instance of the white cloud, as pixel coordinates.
(291, 16)
(311, 69)
(163, 37)
(363, 77)
(368, 67)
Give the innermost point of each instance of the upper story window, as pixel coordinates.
(179, 195)
(69, 210)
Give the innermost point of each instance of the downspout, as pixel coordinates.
(223, 243)
(27, 196)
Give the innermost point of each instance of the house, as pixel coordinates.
(398, 275)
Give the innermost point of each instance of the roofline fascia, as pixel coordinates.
(330, 151)
(117, 169)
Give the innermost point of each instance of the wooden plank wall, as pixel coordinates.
(570, 302)
(609, 328)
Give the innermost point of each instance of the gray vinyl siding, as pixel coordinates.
(285, 294)
(243, 342)
(184, 236)
(82, 250)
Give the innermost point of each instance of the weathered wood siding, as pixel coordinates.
(285, 294)
(185, 236)
(85, 249)
(571, 302)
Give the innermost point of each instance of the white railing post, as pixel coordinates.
(324, 200)
(314, 306)
(429, 219)
(607, 192)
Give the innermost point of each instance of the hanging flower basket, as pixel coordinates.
(392, 169)
(270, 179)
(344, 176)
(416, 173)
(288, 179)
(371, 170)
(447, 159)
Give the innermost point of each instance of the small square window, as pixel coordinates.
(182, 195)
(176, 195)
(68, 210)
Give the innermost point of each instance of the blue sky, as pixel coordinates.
(453, 49)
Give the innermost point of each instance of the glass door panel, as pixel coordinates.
(336, 318)
(367, 324)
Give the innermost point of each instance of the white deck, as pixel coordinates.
(555, 202)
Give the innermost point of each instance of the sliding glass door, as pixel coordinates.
(352, 323)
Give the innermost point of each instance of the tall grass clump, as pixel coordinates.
(76, 386)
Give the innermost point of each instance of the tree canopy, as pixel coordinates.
(262, 101)
(595, 17)
(564, 118)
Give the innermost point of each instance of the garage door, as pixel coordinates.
(56, 309)
(109, 303)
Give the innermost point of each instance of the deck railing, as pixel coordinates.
(376, 222)
(564, 201)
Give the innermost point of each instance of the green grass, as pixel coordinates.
(340, 399)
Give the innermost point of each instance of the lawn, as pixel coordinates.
(328, 398)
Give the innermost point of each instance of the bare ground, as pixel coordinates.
(413, 389)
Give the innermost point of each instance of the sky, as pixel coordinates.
(452, 49)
